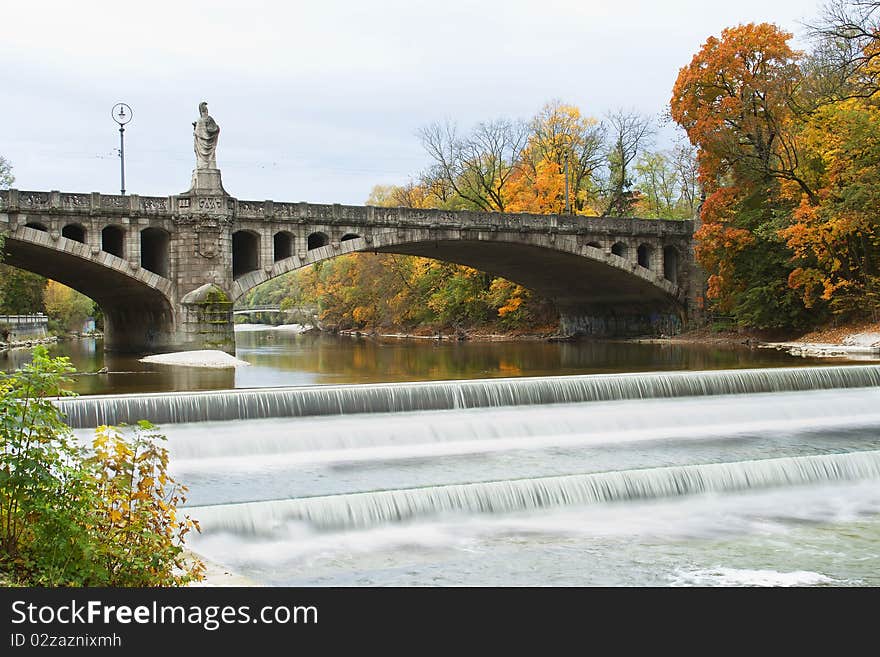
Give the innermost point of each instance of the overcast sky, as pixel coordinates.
(318, 101)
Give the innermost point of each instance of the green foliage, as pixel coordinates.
(765, 300)
(21, 292)
(83, 515)
(67, 309)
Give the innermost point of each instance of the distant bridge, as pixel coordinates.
(253, 310)
(261, 309)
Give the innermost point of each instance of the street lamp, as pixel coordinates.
(122, 114)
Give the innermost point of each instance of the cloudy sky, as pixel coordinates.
(319, 101)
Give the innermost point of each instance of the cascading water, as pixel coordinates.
(710, 477)
(423, 396)
(381, 507)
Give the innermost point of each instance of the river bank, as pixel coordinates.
(469, 335)
(856, 340)
(26, 344)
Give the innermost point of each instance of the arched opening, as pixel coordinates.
(670, 264)
(74, 232)
(113, 240)
(317, 240)
(349, 236)
(644, 256)
(282, 245)
(619, 249)
(154, 250)
(245, 252)
(595, 245)
(36, 226)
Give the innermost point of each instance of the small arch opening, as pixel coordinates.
(113, 240)
(670, 264)
(245, 252)
(317, 240)
(282, 245)
(154, 250)
(619, 249)
(644, 256)
(595, 245)
(36, 226)
(349, 236)
(74, 232)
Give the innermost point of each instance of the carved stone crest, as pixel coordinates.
(208, 242)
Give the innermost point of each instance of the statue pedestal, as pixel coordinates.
(206, 181)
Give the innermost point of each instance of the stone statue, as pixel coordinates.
(205, 133)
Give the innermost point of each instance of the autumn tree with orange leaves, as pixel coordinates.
(789, 156)
(735, 100)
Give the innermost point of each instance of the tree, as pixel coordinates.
(836, 243)
(476, 167)
(684, 161)
(846, 60)
(67, 309)
(560, 138)
(6, 177)
(21, 292)
(658, 185)
(735, 101)
(630, 132)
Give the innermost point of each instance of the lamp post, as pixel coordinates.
(122, 114)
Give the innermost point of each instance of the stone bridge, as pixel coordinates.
(167, 270)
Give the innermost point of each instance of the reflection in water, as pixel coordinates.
(282, 358)
(125, 373)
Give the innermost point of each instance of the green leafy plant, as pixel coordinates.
(75, 514)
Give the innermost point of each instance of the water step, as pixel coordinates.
(360, 510)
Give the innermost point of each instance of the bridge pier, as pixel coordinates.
(607, 323)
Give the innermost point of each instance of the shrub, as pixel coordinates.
(103, 514)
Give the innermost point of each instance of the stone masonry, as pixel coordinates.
(166, 270)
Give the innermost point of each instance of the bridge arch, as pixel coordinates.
(670, 263)
(75, 232)
(135, 302)
(282, 245)
(155, 251)
(619, 249)
(349, 236)
(36, 225)
(644, 254)
(245, 252)
(113, 240)
(317, 240)
(580, 279)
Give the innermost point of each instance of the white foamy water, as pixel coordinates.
(745, 577)
(731, 540)
(736, 478)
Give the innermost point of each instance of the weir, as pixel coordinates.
(304, 401)
(361, 510)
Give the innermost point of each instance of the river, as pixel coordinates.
(525, 464)
(279, 358)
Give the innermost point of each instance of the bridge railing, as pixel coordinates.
(13, 200)
(24, 320)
